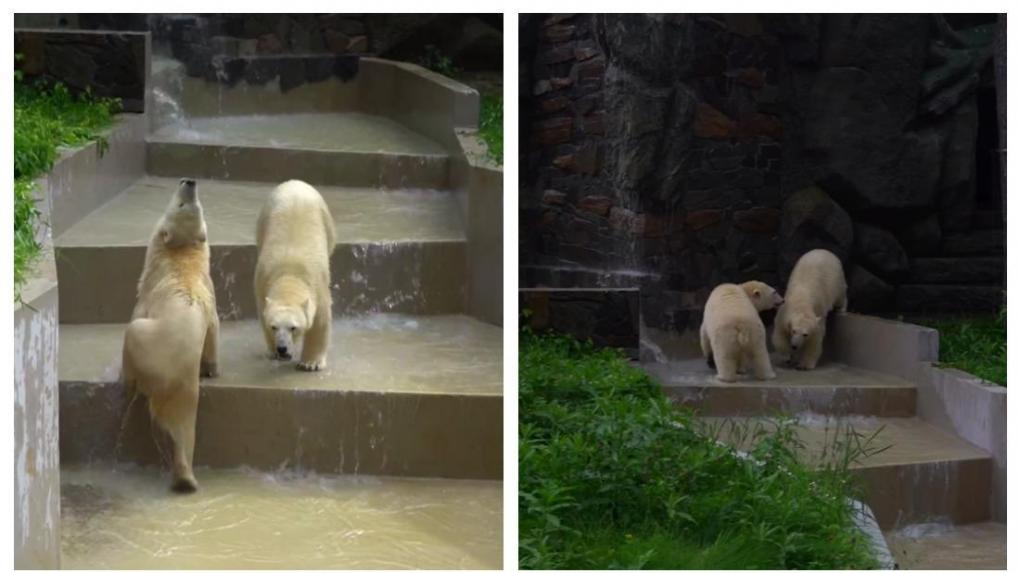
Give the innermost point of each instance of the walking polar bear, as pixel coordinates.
(173, 337)
(816, 286)
(732, 333)
(294, 237)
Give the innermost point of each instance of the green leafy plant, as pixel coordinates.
(613, 476)
(491, 126)
(435, 60)
(974, 344)
(46, 117)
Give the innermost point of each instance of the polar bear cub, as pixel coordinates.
(816, 286)
(173, 336)
(732, 334)
(294, 237)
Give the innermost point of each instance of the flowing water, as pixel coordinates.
(126, 518)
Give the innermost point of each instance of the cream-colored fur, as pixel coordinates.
(816, 286)
(732, 333)
(174, 332)
(295, 237)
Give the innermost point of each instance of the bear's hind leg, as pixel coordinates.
(177, 415)
(758, 358)
(706, 347)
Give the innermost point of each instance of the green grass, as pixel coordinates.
(612, 476)
(975, 344)
(491, 126)
(45, 118)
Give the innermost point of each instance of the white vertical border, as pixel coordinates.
(511, 210)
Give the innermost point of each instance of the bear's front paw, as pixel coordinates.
(210, 370)
(312, 365)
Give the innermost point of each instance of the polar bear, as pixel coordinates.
(732, 334)
(294, 237)
(173, 336)
(816, 286)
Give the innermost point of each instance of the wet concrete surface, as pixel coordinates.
(943, 546)
(450, 354)
(231, 209)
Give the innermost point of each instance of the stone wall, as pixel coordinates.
(651, 156)
(468, 41)
(110, 64)
(675, 152)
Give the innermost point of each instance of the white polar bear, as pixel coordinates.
(294, 237)
(732, 334)
(816, 286)
(174, 332)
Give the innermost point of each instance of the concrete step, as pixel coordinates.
(123, 517)
(925, 475)
(402, 395)
(936, 298)
(959, 270)
(397, 251)
(342, 148)
(944, 546)
(830, 389)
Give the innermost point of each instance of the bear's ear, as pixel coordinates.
(165, 236)
(306, 306)
(756, 293)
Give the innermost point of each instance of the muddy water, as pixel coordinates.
(241, 519)
(943, 546)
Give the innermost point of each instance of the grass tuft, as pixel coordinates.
(46, 117)
(974, 344)
(612, 476)
(491, 126)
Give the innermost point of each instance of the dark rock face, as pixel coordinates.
(866, 292)
(957, 270)
(812, 220)
(689, 150)
(110, 64)
(878, 250)
(607, 317)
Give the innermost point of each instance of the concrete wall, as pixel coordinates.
(479, 186)
(36, 432)
(950, 399)
(85, 177)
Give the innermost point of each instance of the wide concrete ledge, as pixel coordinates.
(924, 475)
(879, 344)
(428, 103)
(831, 389)
(401, 395)
(608, 317)
(973, 409)
(36, 461)
(409, 277)
(83, 178)
(341, 432)
(397, 251)
(315, 166)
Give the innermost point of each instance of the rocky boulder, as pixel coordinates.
(812, 220)
(878, 249)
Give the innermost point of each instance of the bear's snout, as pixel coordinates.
(281, 352)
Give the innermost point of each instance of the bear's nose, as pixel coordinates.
(281, 350)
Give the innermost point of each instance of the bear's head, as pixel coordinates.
(802, 325)
(762, 296)
(288, 314)
(183, 221)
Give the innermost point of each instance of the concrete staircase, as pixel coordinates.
(923, 474)
(413, 388)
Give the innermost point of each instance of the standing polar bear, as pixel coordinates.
(816, 286)
(174, 332)
(732, 334)
(294, 237)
